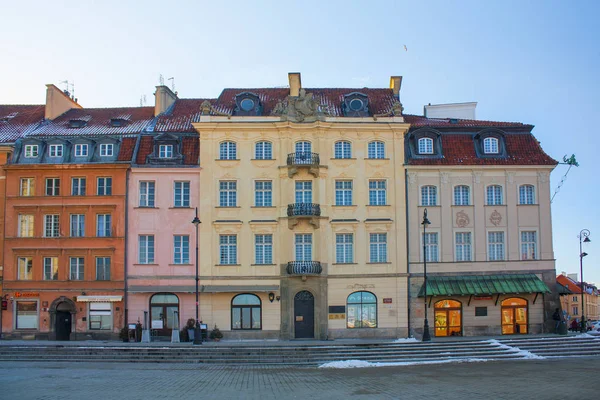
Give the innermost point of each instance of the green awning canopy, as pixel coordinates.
(465, 285)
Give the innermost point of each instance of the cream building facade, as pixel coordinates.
(302, 206)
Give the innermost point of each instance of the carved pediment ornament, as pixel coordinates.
(303, 108)
(462, 219)
(396, 110)
(206, 108)
(496, 218)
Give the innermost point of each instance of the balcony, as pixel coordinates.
(310, 212)
(304, 268)
(302, 159)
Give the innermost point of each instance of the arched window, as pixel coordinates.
(490, 145)
(362, 310)
(164, 310)
(227, 151)
(343, 149)
(426, 146)
(526, 194)
(376, 149)
(494, 195)
(428, 196)
(515, 318)
(263, 151)
(461, 195)
(448, 320)
(245, 312)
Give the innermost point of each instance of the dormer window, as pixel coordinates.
(117, 122)
(55, 150)
(81, 150)
(247, 104)
(77, 123)
(426, 146)
(31, 150)
(490, 145)
(106, 150)
(165, 151)
(356, 105)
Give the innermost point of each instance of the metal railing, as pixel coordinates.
(303, 158)
(303, 209)
(304, 268)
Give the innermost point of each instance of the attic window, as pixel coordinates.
(490, 145)
(77, 123)
(247, 104)
(117, 122)
(355, 105)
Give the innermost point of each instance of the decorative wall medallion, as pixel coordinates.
(496, 218)
(477, 177)
(412, 178)
(444, 177)
(462, 219)
(542, 177)
(511, 177)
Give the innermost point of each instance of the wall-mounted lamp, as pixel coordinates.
(83, 293)
(278, 298)
(271, 297)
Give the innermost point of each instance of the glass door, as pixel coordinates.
(304, 192)
(514, 316)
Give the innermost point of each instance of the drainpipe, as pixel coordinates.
(407, 248)
(126, 311)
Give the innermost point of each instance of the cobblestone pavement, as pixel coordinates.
(528, 379)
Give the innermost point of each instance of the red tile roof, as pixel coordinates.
(127, 149)
(569, 284)
(190, 149)
(19, 120)
(180, 118)
(419, 121)
(98, 122)
(145, 148)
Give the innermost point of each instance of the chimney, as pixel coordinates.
(572, 277)
(295, 83)
(57, 102)
(163, 99)
(395, 83)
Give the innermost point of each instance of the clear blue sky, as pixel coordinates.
(530, 61)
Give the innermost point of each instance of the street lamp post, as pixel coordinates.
(584, 237)
(426, 336)
(197, 332)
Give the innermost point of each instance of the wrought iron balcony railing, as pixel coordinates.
(304, 268)
(304, 210)
(303, 158)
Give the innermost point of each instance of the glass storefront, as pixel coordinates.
(514, 316)
(448, 318)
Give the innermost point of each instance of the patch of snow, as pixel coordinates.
(501, 345)
(406, 340)
(526, 354)
(366, 364)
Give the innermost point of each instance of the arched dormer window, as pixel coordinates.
(426, 146)
(526, 194)
(429, 196)
(247, 104)
(355, 105)
(227, 151)
(343, 149)
(376, 149)
(263, 151)
(490, 145)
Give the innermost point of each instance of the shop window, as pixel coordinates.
(100, 316)
(362, 310)
(26, 314)
(448, 318)
(246, 312)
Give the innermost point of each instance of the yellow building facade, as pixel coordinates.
(302, 206)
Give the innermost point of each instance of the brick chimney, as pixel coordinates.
(295, 83)
(163, 99)
(57, 102)
(395, 83)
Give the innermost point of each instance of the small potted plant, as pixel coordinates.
(190, 325)
(124, 334)
(216, 334)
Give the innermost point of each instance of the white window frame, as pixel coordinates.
(104, 185)
(303, 246)
(146, 249)
(179, 190)
(376, 150)
(263, 150)
(429, 195)
(31, 150)
(343, 192)
(344, 248)
(227, 249)
(263, 193)
(432, 247)
(303, 192)
(228, 150)
(25, 268)
(26, 228)
(491, 145)
(27, 187)
(103, 225)
(165, 151)
(100, 310)
(77, 188)
(526, 194)
(495, 193)
(181, 249)
(263, 249)
(463, 246)
(462, 195)
(77, 225)
(227, 193)
(106, 150)
(378, 249)
(425, 145)
(50, 265)
(342, 150)
(496, 249)
(377, 192)
(527, 246)
(76, 268)
(51, 225)
(81, 150)
(55, 150)
(146, 194)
